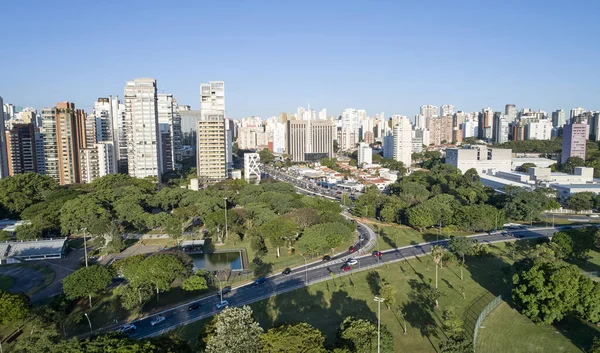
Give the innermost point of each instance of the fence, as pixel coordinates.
(484, 313)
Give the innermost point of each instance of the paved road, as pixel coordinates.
(316, 272)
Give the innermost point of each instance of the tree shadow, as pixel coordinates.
(260, 268)
(579, 332)
(421, 319)
(389, 241)
(374, 281)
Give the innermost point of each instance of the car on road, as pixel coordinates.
(352, 249)
(259, 281)
(157, 320)
(593, 216)
(351, 261)
(346, 267)
(518, 236)
(222, 304)
(287, 271)
(377, 253)
(224, 291)
(194, 306)
(128, 329)
(326, 258)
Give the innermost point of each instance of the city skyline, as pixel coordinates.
(404, 62)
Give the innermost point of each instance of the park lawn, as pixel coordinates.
(507, 331)
(6, 282)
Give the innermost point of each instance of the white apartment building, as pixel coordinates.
(3, 154)
(350, 128)
(323, 114)
(575, 112)
(110, 126)
(212, 139)
(420, 138)
(539, 130)
(511, 112)
(365, 155)
(144, 155)
(97, 161)
(169, 120)
(279, 138)
(470, 128)
(403, 141)
(446, 109)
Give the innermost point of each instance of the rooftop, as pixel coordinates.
(36, 247)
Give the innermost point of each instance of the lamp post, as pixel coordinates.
(85, 247)
(379, 300)
(305, 269)
(226, 233)
(89, 322)
(220, 288)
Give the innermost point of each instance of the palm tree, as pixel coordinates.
(437, 252)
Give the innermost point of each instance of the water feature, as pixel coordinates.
(218, 261)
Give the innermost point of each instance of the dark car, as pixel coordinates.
(377, 253)
(224, 291)
(346, 267)
(194, 306)
(287, 271)
(518, 236)
(326, 258)
(352, 249)
(260, 280)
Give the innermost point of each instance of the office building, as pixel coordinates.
(64, 137)
(310, 141)
(365, 155)
(485, 124)
(252, 167)
(479, 157)
(189, 125)
(21, 149)
(144, 157)
(212, 139)
(446, 109)
(3, 154)
(575, 112)
(169, 121)
(558, 118)
(403, 141)
(510, 112)
(574, 141)
(388, 146)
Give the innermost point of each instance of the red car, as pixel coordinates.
(377, 253)
(346, 268)
(352, 249)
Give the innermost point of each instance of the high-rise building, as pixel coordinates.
(510, 112)
(309, 140)
(3, 154)
(429, 111)
(485, 125)
(97, 160)
(212, 139)
(169, 121)
(539, 130)
(420, 138)
(574, 141)
(21, 149)
(365, 154)
(64, 137)
(575, 112)
(558, 118)
(501, 128)
(446, 109)
(594, 126)
(403, 141)
(144, 157)
(440, 129)
(323, 114)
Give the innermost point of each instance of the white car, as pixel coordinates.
(157, 320)
(351, 262)
(594, 216)
(222, 304)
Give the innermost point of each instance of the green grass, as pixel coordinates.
(395, 235)
(505, 330)
(326, 304)
(6, 282)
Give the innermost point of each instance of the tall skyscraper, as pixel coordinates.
(485, 125)
(447, 109)
(64, 137)
(510, 112)
(575, 112)
(403, 141)
(500, 129)
(144, 155)
(211, 150)
(429, 111)
(574, 141)
(309, 140)
(558, 118)
(440, 129)
(388, 146)
(21, 149)
(169, 121)
(3, 154)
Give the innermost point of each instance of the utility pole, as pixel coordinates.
(220, 288)
(305, 269)
(85, 248)
(226, 233)
(552, 220)
(89, 322)
(379, 300)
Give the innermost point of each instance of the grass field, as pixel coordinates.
(6, 282)
(326, 304)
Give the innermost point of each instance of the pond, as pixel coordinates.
(218, 261)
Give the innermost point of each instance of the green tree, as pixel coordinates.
(22, 190)
(595, 346)
(27, 232)
(266, 156)
(562, 244)
(358, 335)
(525, 167)
(5, 236)
(280, 231)
(160, 270)
(451, 323)
(14, 307)
(288, 338)
(133, 297)
(437, 253)
(456, 344)
(588, 306)
(86, 282)
(581, 201)
(304, 217)
(235, 331)
(460, 246)
(84, 212)
(319, 236)
(194, 283)
(388, 293)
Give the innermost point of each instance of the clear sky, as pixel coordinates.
(390, 56)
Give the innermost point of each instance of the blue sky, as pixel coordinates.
(274, 56)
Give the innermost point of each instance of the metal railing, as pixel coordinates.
(484, 313)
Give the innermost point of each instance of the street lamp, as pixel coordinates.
(305, 269)
(85, 247)
(89, 322)
(226, 233)
(220, 288)
(379, 300)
